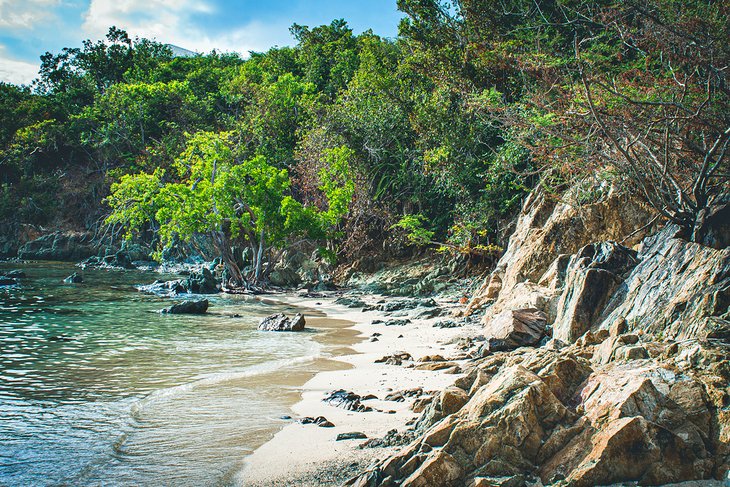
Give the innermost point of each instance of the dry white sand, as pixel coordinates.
(308, 455)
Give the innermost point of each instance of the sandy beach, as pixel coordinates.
(308, 455)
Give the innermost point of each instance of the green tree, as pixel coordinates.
(235, 203)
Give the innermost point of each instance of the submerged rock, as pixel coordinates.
(13, 274)
(188, 307)
(281, 322)
(74, 279)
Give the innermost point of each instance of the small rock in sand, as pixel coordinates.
(355, 435)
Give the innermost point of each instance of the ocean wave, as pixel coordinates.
(219, 378)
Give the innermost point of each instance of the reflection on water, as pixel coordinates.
(97, 387)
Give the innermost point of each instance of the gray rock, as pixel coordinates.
(164, 288)
(280, 322)
(202, 282)
(350, 302)
(680, 290)
(188, 307)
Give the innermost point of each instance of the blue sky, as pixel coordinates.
(28, 28)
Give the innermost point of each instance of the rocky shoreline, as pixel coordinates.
(590, 362)
(597, 352)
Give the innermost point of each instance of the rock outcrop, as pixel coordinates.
(202, 282)
(548, 230)
(58, 246)
(559, 417)
(604, 362)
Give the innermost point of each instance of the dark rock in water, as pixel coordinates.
(13, 274)
(7, 281)
(164, 288)
(60, 338)
(57, 246)
(202, 282)
(281, 322)
(188, 307)
(354, 435)
(74, 279)
(346, 400)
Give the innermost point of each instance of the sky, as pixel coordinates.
(28, 28)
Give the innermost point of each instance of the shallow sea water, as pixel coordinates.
(98, 388)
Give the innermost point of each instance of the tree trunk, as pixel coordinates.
(260, 258)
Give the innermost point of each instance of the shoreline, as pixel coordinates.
(308, 455)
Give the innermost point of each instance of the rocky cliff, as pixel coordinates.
(606, 359)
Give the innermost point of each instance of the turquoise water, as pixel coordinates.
(98, 388)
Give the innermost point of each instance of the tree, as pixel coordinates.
(236, 203)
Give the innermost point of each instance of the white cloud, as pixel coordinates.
(15, 71)
(25, 14)
(174, 22)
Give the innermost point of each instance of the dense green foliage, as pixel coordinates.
(356, 141)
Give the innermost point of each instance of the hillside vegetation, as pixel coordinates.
(356, 143)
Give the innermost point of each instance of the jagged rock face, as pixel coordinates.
(57, 246)
(547, 229)
(558, 417)
(679, 290)
(591, 277)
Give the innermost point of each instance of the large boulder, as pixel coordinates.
(188, 308)
(592, 276)
(281, 322)
(515, 328)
